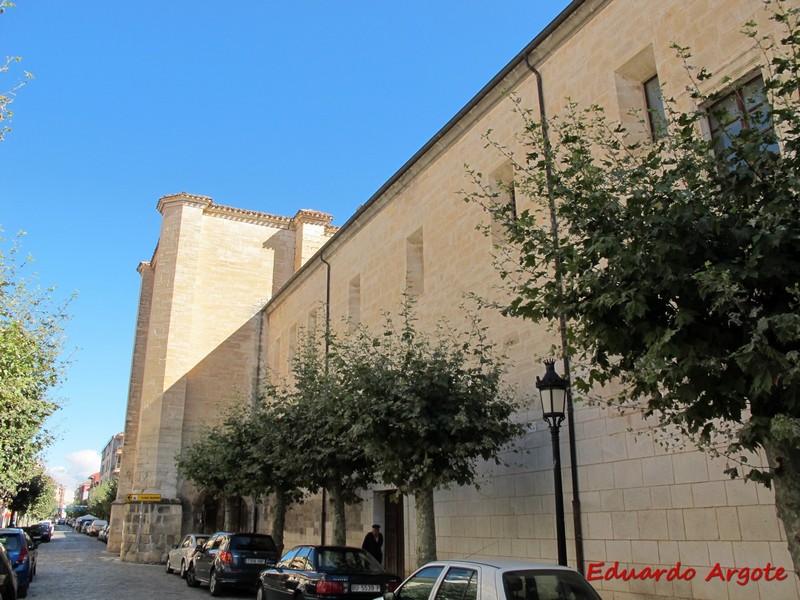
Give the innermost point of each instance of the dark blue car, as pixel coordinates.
(21, 550)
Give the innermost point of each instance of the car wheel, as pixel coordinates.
(260, 594)
(169, 567)
(183, 569)
(191, 580)
(22, 591)
(214, 586)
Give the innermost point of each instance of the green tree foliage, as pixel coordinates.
(426, 409)
(248, 453)
(102, 497)
(317, 403)
(677, 261)
(31, 340)
(35, 497)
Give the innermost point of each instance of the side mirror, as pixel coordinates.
(388, 596)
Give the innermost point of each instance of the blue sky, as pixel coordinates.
(261, 105)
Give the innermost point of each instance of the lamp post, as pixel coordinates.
(553, 393)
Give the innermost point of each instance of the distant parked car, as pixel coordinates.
(47, 530)
(103, 535)
(93, 529)
(231, 560)
(493, 579)
(180, 554)
(8, 577)
(22, 552)
(84, 526)
(36, 531)
(330, 572)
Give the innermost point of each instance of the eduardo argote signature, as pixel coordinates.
(741, 575)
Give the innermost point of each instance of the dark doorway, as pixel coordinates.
(394, 534)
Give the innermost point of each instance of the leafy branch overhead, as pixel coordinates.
(677, 260)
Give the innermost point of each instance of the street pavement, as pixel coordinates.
(74, 565)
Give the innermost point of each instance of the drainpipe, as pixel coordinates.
(324, 513)
(573, 459)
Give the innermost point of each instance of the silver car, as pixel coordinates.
(493, 579)
(180, 554)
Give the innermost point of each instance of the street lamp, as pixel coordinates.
(553, 393)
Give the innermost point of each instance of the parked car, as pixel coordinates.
(180, 554)
(103, 535)
(231, 560)
(8, 577)
(325, 571)
(84, 526)
(47, 530)
(22, 552)
(493, 579)
(93, 529)
(35, 531)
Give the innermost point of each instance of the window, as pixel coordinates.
(415, 281)
(354, 304)
(745, 108)
(419, 587)
(656, 116)
(459, 584)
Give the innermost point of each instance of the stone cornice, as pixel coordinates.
(247, 216)
(235, 214)
(313, 217)
(183, 198)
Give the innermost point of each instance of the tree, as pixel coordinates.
(31, 340)
(425, 409)
(7, 97)
(317, 403)
(267, 460)
(676, 262)
(102, 497)
(35, 496)
(212, 462)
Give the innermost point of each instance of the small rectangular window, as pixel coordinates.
(415, 264)
(655, 108)
(744, 108)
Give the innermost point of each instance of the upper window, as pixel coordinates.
(744, 108)
(655, 108)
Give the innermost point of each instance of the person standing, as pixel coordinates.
(373, 543)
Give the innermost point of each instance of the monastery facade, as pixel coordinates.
(228, 292)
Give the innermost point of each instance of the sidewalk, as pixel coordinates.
(76, 566)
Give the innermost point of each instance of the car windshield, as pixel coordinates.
(253, 542)
(547, 585)
(10, 541)
(349, 560)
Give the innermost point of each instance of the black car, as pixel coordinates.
(231, 559)
(332, 572)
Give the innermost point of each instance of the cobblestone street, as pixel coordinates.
(74, 565)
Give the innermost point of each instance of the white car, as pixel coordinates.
(493, 579)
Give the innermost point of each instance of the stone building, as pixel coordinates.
(227, 291)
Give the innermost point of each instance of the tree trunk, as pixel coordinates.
(784, 459)
(338, 524)
(279, 519)
(426, 526)
(228, 524)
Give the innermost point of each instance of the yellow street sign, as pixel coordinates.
(143, 498)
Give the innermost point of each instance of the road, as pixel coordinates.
(74, 565)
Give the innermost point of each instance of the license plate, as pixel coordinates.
(362, 587)
(254, 561)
